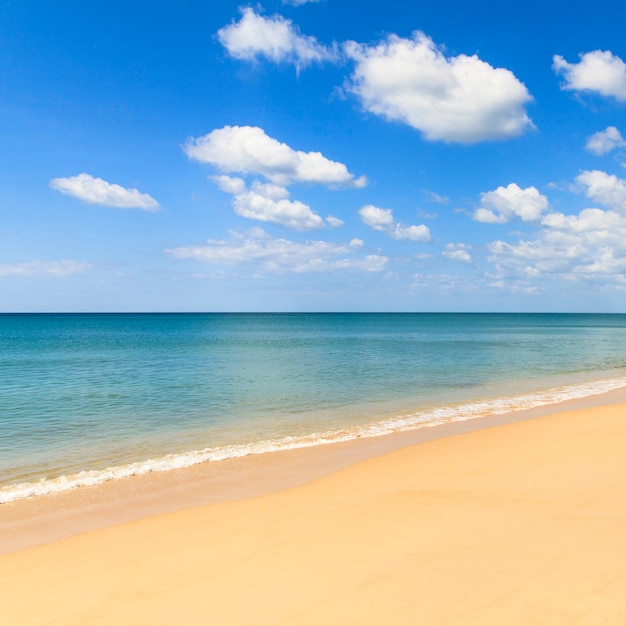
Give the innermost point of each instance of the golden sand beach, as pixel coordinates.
(520, 523)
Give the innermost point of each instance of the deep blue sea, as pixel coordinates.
(91, 397)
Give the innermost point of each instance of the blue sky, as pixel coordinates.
(312, 156)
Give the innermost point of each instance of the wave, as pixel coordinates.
(420, 419)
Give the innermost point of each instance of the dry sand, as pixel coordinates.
(521, 523)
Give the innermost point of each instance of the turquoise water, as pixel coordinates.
(92, 397)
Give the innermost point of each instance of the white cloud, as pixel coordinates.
(413, 233)
(334, 222)
(505, 203)
(378, 219)
(461, 99)
(589, 246)
(270, 203)
(273, 38)
(98, 191)
(458, 252)
(231, 184)
(277, 255)
(297, 3)
(607, 189)
(56, 269)
(435, 197)
(487, 216)
(599, 71)
(605, 140)
(248, 150)
(606, 224)
(382, 220)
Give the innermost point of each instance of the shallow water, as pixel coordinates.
(92, 397)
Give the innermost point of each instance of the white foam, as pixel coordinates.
(420, 419)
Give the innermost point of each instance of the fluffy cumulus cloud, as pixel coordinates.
(598, 71)
(276, 255)
(55, 269)
(248, 150)
(590, 245)
(98, 191)
(506, 203)
(606, 189)
(274, 38)
(605, 140)
(458, 252)
(382, 220)
(378, 219)
(455, 99)
(267, 202)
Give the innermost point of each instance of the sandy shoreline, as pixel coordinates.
(517, 523)
(44, 519)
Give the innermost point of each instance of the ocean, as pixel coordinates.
(86, 398)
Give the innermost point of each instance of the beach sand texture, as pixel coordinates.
(522, 523)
